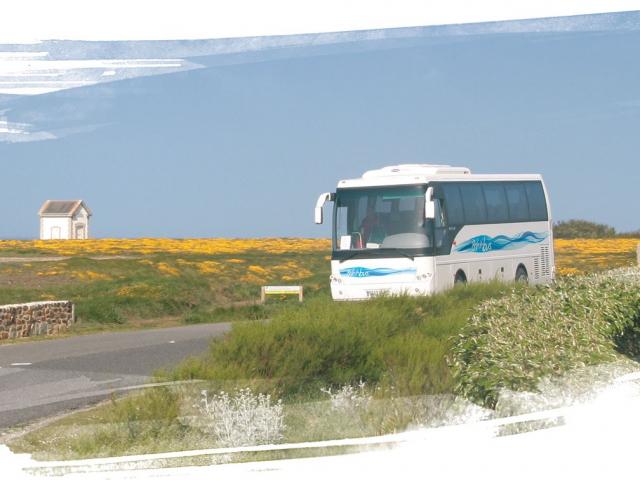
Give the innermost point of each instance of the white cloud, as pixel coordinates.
(34, 73)
(14, 132)
(33, 20)
(51, 66)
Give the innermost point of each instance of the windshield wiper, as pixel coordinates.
(377, 252)
(352, 255)
(405, 254)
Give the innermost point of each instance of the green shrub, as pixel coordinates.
(513, 341)
(399, 342)
(582, 229)
(146, 415)
(98, 310)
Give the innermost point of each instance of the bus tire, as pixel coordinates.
(521, 274)
(460, 278)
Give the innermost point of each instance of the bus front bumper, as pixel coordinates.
(349, 291)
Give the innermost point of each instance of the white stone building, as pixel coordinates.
(64, 220)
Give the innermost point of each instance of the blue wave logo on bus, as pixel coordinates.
(484, 243)
(362, 272)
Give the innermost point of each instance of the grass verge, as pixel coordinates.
(367, 368)
(396, 346)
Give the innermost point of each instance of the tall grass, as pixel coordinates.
(399, 343)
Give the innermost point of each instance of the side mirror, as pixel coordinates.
(429, 205)
(322, 199)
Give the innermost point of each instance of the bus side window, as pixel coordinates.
(453, 204)
(517, 201)
(537, 202)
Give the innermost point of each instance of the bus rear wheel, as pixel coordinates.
(460, 278)
(521, 274)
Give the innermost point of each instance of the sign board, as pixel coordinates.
(281, 290)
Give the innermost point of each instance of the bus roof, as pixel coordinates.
(412, 174)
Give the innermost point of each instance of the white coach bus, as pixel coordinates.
(420, 229)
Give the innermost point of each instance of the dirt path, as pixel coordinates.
(54, 258)
(32, 259)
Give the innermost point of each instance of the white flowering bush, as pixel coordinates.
(242, 419)
(349, 398)
(514, 341)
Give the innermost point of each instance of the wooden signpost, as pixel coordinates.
(281, 290)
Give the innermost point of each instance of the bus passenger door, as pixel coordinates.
(440, 226)
(444, 275)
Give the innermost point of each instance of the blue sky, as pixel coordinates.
(242, 145)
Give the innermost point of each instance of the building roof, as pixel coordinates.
(62, 208)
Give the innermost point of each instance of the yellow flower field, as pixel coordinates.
(146, 246)
(192, 280)
(573, 256)
(603, 246)
(118, 281)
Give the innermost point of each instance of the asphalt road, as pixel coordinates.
(44, 378)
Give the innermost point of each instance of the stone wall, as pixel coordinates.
(36, 318)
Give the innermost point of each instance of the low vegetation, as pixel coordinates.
(582, 255)
(346, 369)
(513, 341)
(161, 288)
(587, 229)
(241, 418)
(396, 342)
(340, 369)
(321, 369)
(109, 247)
(582, 229)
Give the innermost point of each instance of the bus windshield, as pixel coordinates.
(381, 218)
